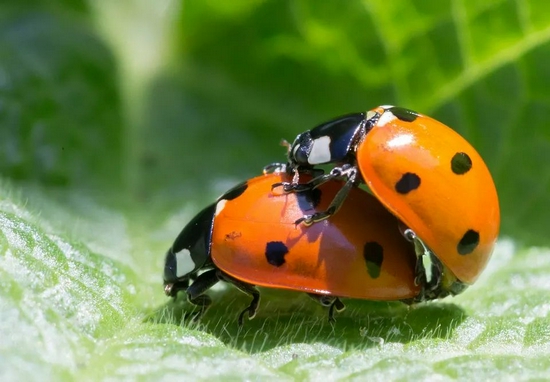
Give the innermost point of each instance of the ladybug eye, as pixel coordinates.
(170, 267)
(299, 152)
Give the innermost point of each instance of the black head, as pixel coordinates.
(191, 249)
(300, 149)
(330, 142)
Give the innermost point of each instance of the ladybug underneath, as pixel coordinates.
(421, 170)
(249, 238)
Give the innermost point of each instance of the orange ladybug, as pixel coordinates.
(249, 238)
(424, 172)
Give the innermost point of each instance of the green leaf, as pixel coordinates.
(59, 101)
(57, 296)
(72, 311)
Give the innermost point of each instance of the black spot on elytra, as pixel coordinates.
(404, 114)
(468, 243)
(235, 192)
(408, 182)
(308, 200)
(461, 163)
(374, 256)
(275, 252)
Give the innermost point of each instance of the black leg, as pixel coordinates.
(429, 271)
(195, 293)
(172, 289)
(332, 302)
(351, 175)
(339, 306)
(247, 289)
(294, 186)
(274, 167)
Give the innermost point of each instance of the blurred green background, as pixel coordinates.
(121, 119)
(160, 100)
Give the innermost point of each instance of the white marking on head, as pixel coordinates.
(184, 263)
(371, 114)
(386, 118)
(320, 151)
(401, 140)
(295, 149)
(386, 107)
(219, 206)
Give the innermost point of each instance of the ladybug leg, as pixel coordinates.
(351, 174)
(195, 293)
(319, 177)
(274, 167)
(172, 289)
(434, 279)
(246, 289)
(426, 274)
(331, 302)
(339, 306)
(294, 186)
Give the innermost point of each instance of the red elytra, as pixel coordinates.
(357, 253)
(436, 183)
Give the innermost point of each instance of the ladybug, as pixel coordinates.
(249, 238)
(421, 170)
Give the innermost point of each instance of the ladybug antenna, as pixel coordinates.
(286, 144)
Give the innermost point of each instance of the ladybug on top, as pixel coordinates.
(421, 170)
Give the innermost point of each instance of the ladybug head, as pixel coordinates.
(170, 267)
(191, 249)
(299, 152)
(171, 283)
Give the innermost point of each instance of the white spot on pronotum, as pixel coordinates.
(220, 206)
(386, 118)
(320, 151)
(401, 140)
(184, 263)
(386, 107)
(371, 114)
